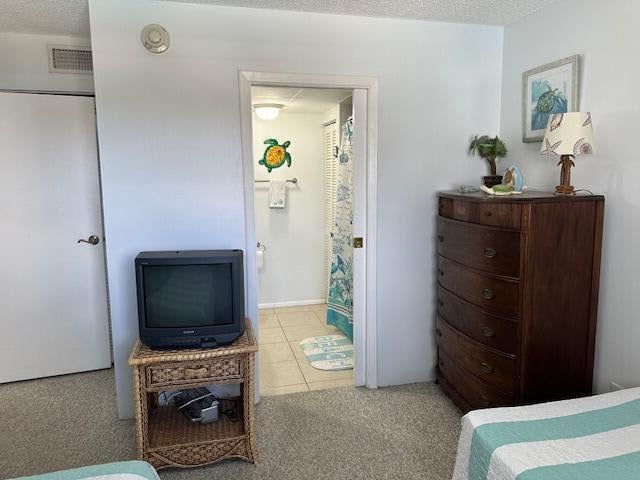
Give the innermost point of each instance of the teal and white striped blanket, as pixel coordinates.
(132, 470)
(593, 438)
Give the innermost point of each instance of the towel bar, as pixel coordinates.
(291, 180)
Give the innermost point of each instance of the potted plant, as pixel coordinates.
(490, 149)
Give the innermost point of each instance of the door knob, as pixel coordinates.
(93, 240)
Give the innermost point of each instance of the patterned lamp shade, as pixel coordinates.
(569, 134)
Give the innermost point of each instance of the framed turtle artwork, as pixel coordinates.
(546, 90)
(275, 155)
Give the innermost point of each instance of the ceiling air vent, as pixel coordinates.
(70, 59)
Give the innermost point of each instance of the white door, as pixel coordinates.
(53, 305)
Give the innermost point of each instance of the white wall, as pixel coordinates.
(24, 64)
(294, 269)
(169, 128)
(606, 35)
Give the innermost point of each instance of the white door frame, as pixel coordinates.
(365, 343)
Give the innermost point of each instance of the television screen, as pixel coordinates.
(188, 296)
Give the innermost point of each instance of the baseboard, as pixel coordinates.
(298, 303)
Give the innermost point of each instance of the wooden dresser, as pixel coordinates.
(517, 297)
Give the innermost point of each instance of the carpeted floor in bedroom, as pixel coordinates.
(407, 432)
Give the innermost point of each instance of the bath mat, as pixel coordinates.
(328, 352)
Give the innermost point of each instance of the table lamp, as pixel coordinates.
(568, 135)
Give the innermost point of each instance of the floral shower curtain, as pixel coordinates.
(340, 295)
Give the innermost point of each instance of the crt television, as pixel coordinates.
(190, 299)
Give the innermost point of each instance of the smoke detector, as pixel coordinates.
(155, 38)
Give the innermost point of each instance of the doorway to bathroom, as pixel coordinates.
(303, 194)
(345, 307)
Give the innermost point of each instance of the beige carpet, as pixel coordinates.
(407, 432)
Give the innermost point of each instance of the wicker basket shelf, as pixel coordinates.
(168, 427)
(165, 437)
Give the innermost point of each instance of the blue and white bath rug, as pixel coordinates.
(328, 352)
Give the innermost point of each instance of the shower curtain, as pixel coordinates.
(340, 293)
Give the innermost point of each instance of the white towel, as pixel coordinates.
(277, 193)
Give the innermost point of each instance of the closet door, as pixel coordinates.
(330, 159)
(52, 286)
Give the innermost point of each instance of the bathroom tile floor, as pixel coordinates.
(283, 366)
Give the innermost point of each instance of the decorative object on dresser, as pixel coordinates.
(517, 296)
(568, 135)
(165, 437)
(513, 178)
(491, 149)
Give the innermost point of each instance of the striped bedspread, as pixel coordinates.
(593, 438)
(132, 470)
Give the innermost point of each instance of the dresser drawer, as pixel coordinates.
(495, 332)
(485, 212)
(491, 368)
(474, 392)
(485, 248)
(166, 375)
(497, 296)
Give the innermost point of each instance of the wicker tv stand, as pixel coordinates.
(164, 436)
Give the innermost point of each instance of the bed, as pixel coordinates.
(133, 470)
(592, 438)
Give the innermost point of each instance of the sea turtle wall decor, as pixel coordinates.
(275, 155)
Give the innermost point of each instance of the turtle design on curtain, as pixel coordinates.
(340, 292)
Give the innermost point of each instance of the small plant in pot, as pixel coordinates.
(491, 149)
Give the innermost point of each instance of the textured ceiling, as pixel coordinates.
(71, 17)
(300, 100)
(492, 12)
(54, 17)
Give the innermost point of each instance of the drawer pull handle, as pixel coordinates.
(484, 401)
(441, 272)
(486, 368)
(438, 332)
(488, 294)
(490, 253)
(488, 214)
(440, 238)
(488, 331)
(441, 363)
(441, 303)
(191, 373)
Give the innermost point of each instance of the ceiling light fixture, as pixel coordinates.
(267, 111)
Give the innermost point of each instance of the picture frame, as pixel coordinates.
(548, 89)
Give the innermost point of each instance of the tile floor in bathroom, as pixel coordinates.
(283, 366)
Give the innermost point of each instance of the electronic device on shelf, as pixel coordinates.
(190, 299)
(198, 405)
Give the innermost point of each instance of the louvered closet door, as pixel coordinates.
(330, 159)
